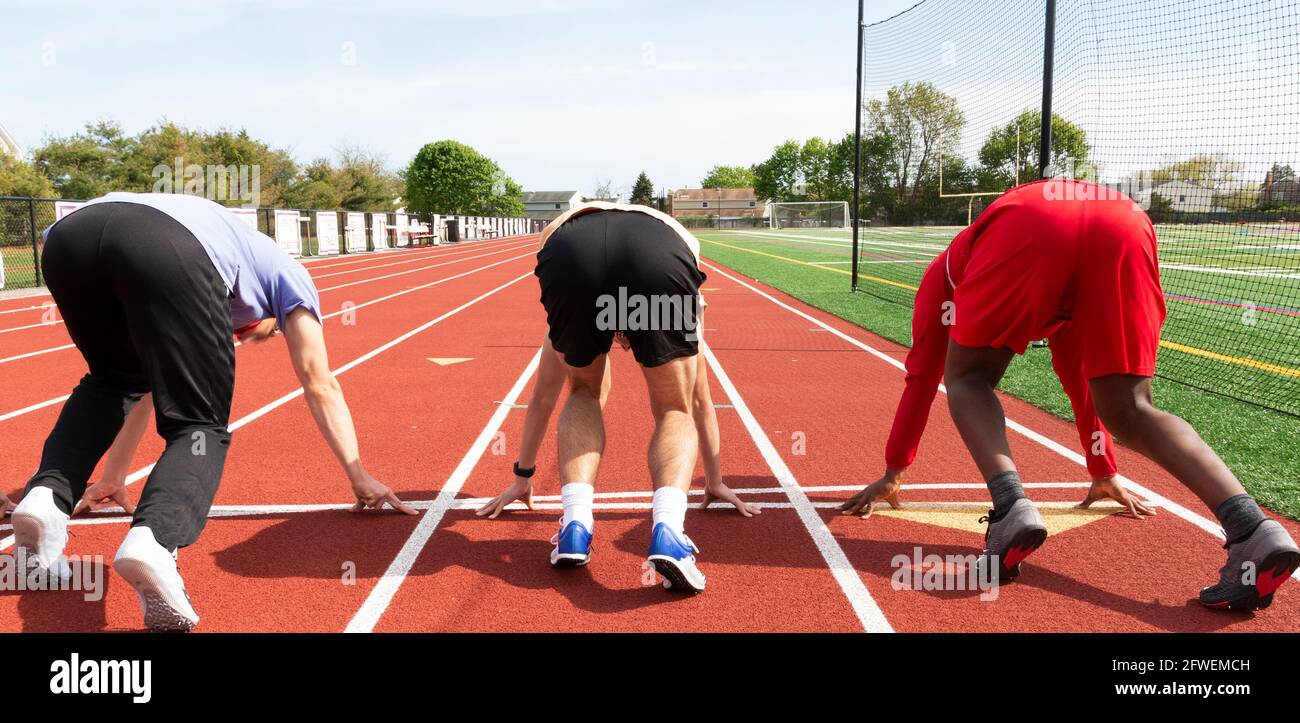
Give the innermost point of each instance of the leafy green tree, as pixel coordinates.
(924, 124)
(643, 191)
(1282, 173)
(364, 182)
(729, 177)
(778, 177)
(998, 155)
(451, 177)
(815, 169)
(19, 178)
(85, 164)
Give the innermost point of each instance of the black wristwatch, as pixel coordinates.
(525, 473)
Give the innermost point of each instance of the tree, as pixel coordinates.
(1282, 173)
(643, 191)
(729, 177)
(1211, 170)
(779, 176)
(815, 168)
(19, 178)
(451, 177)
(997, 156)
(603, 188)
(363, 180)
(86, 164)
(924, 123)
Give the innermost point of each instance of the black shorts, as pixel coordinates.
(610, 271)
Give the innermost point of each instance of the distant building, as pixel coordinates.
(1286, 190)
(549, 205)
(727, 204)
(8, 146)
(1183, 197)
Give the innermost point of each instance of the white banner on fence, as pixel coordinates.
(247, 215)
(327, 233)
(403, 232)
(2, 270)
(379, 231)
(63, 208)
(288, 232)
(356, 233)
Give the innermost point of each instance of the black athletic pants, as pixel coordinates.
(148, 311)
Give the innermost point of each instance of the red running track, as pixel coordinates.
(806, 405)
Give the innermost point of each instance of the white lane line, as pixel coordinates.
(382, 594)
(39, 405)
(56, 322)
(31, 354)
(59, 400)
(414, 258)
(1176, 509)
(869, 613)
(143, 472)
(494, 252)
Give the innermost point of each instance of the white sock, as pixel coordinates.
(669, 507)
(578, 498)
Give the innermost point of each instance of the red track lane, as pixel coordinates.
(1112, 574)
(494, 575)
(263, 373)
(61, 370)
(285, 572)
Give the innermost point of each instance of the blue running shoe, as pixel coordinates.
(672, 558)
(572, 545)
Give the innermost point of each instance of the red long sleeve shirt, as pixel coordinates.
(925, 365)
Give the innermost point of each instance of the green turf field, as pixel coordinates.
(1246, 352)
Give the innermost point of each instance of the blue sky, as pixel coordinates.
(560, 92)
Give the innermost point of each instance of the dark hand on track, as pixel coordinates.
(520, 489)
(1109, 488)
(372, 494)
(886, 488)
(102, 492)
(721, 493)
(5, 505)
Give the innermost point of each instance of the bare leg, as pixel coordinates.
(971, 375)
(674, 446)
(1125, 406)
(581, 428)
(706, 424)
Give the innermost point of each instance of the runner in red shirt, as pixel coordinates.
(1074, 263)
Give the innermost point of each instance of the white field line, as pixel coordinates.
(59, 400)
(143, 472)
(28, 308)
(56, 322)
(381, 596)
(869, 613)
(1178, 510)
(31, 354)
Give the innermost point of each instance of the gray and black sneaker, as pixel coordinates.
(1011, 538)
(1257, 566)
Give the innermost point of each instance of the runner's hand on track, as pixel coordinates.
(886, 488)
(521, 489)
(1109, 488)
(721, 493)
(104, 491)
(372, 494)
(6, 506)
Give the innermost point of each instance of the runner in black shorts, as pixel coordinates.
(607, 269)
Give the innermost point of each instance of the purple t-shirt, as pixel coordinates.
(263, 280)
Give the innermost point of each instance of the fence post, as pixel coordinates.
(1049, 58)
(857, 149)
(36, 250)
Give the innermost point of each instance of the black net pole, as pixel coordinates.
(1049, 60)
(857, 148)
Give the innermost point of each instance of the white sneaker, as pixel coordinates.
(41, 529)
(152, 571)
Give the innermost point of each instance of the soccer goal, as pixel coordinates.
(808, 214)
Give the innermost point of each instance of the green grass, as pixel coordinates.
(18, 270)
(1260, 445)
